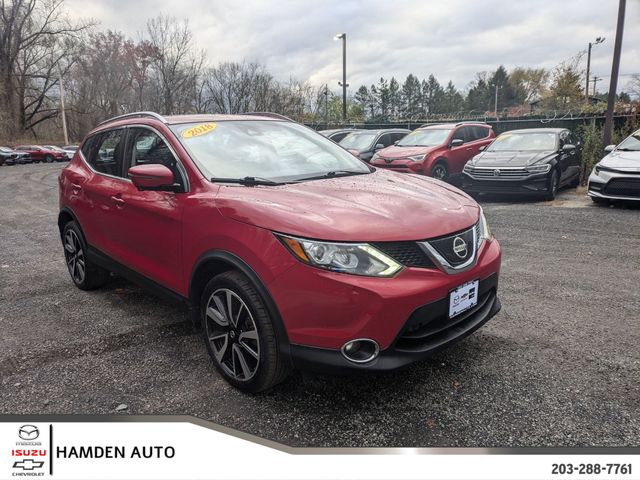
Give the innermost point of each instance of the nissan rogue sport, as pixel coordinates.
(289, 251)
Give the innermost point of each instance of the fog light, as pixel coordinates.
(362, 350)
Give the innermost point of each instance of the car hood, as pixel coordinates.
(401, 152)
(619, 160)
(382, 206)
(511, 159)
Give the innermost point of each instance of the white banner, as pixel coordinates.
(173, 450)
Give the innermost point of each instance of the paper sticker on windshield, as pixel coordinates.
(198, 130)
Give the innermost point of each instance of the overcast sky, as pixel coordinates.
(452, 39)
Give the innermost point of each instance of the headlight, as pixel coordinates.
(468, 166)
(484, 233)
(352, 258)
(375, 157)
(539, 168)
(417, 158)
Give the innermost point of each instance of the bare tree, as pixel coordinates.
(37, 47)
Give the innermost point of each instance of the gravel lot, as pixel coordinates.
(559, 366)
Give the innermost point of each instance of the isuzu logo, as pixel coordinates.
(460, 247)
(496, 173)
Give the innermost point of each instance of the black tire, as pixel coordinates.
(48, 158)
(85, 275)
(553, 185)
(263, 365)
(440, 171)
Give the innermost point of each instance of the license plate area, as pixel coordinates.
(463, 298)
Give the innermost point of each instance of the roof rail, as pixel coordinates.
(430, 125)
(268, 114)
(155, 115)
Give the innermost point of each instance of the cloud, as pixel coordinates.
(452, 39)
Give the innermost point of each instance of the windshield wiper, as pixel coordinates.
(332, 174)
(627, 150)
(246, 181)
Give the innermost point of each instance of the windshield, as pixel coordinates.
(272, 150)
(631, 143)
(425, 138)
(523, 142)
(358, 141)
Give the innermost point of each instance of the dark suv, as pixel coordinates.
(289, 251)
(365, 143)
(439, 151)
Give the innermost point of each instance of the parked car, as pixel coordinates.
(67, 155)
(9, 156)
(70, 150)
(534, 161)
(42, 154)
(617, 176)
(290, 251)
(338, 134)
(439, 151)
(365, 143)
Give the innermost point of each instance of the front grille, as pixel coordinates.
(505, 173)
(407, 253)
(447, 246)
(623, 187)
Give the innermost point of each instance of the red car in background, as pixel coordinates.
(439, 151)
(290, 251)
(43, 154)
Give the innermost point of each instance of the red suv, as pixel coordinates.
(439, 151)
(289, 251)
(42, 154)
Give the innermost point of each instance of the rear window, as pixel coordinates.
(103, 152)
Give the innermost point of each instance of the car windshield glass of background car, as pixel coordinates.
(523, 142)
(631, 143)
(425, 138)
(358, 141)
(277, 151)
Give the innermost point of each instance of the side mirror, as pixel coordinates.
(378, 146)
(152, 177)
(609, 148)
(396, 142)
(568, 147)
(482, 147)
(456, 142)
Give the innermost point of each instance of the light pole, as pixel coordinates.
(591, 44)
(615, 68)
(344, 84)
(496, 103)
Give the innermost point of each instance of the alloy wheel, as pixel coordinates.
(439, 172)
(232, 334)
(74, 255)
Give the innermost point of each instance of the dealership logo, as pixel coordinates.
(496, 173)
(27, 464)
(28, 432)
(460, 247)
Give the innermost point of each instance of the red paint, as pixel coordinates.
(162, 235)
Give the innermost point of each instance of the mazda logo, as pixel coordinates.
(496, 173)
(28, 432)
(460, 247)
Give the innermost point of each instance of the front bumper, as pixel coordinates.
(427, 331)
(614, 185)
(532, 184)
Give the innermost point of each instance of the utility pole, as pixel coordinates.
(496, 104)
(591, 44)
(595, 80)
(615, 69)
(326, 105)
(344, 84)
(62, 111)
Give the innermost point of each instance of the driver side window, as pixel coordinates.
(147, 147)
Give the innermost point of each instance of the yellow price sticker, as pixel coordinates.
(198, 130)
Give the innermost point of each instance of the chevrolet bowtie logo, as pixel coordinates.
(27, 464)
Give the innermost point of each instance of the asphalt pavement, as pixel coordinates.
(558, 366)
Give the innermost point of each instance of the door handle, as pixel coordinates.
(118, 201)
